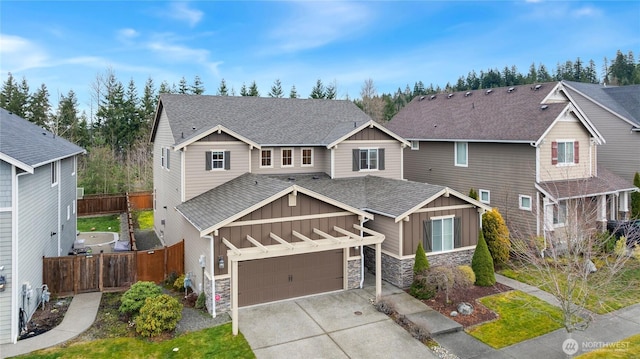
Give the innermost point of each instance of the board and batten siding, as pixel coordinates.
(6, 228)
(390, 229)
(392, 159)
(5, 184)
(621, 152)
(321, 161)
(505, 170)
(573, 130)
(198, 179)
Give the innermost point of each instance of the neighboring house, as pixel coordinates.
(615, 111)
(38, 183)
(281, 198)
(527, 150)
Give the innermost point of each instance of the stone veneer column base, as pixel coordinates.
(223, 289)
(353, 275)
(399, 272)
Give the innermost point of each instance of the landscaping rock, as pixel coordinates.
(454, 314)
(465, 308)
(590, 266)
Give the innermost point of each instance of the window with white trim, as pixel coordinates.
(461, 150)
(266, 158)
(524, 202)
(217, 160)
(162, 159)
(368, 159)
(307, 157)
(484, 196)
(560, 213)
(54, 173)
(167, 157)
(565, 152)
(442, 233)
(287, 157)
(415, 145)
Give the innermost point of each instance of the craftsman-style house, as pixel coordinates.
(528, 150)
(278, 198)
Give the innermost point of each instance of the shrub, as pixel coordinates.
(421, 262)
(621, 246)
(171, 278)
(158, 315)
(473, 194)
(201, 301)
(482, 264)
(420, 289)
(178, 284)
(496, 234)
(467, 272)
(635, 198)
(134, 298)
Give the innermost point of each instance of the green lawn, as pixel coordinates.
(627, 348)
(107, 223)
(145, 219)
(521, 317)
(619, 293)
(216, 342)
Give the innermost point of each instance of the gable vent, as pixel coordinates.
(467, 94)
(489, 91)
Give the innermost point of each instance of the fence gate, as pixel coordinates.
(154, 265)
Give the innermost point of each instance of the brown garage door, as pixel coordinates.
(271, 279)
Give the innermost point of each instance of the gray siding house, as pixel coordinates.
(38, 183)
(528, 150)
(280, 198)
(615, 111)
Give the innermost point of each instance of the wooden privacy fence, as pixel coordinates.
(110, 271)
(113, 203)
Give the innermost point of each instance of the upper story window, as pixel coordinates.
(525, 202)
(415, 145)
(484, 196)
(164, 157)
(217, 160)
(461, 154)
(266, 158)
(287, 157)
(54, 173)
(565, 152)
(368, 159)
(307, 157)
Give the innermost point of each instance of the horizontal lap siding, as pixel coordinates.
(506, 170)
(5, 185)
(392, 159)
(565, 130)
(320, 162)
(199, 179)
(68, 187)
(5, 260)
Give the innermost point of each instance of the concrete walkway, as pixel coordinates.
(79, 317)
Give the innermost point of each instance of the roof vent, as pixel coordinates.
(291, 179)
(450, 95)
(511, 89)
(544, 107)
(421, 98)
(193, 128)
(355, 124)
(432, 97)
(468, 94)
(537, 87)
(489, 91)
(315, 177)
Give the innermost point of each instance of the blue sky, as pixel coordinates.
(395, 43)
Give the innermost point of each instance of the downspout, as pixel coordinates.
(362, 222)
(14, 263)
(59, 179)
(213, 280)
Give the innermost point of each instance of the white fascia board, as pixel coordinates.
(21, 165)
(370, 123)
(332, 201)
(468, 140)
(587, 124)
(218, 128)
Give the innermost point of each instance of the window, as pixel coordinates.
(368, 159)
(461, 152)
(266, 158)
(565, 152)
(442, 234)
(287, 157)
(217, 160)
(74, 206)
(54, 173)
(75, 166)
(307, 157)
(525, 202)
(162, 157)
(68, 213)
(167, 157)
(560, 213)
(484, 196)
(415, 145)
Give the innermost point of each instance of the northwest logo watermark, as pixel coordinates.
(571, 346)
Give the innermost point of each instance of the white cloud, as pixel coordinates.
(172, 52)
(586, 11)
(20, 54)
(180, 11)
(128, 33)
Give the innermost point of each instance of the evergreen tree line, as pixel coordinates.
(116, 131)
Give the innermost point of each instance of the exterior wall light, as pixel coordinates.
(221, 262)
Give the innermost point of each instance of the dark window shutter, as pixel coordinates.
(381, 159)
(457, 233)
(554, 153)
(207, 159)
(576, 152)
(356, 159)
(227, 160)
(427, 236)
(167, 156)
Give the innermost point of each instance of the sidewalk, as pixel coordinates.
(79, 317)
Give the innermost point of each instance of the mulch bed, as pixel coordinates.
(44, 320)
(471, 295)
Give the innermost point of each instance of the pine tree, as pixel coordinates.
(198, 87)
(222, 89)
(66, 119)
(253, 89)
(148, 105)
(183, 88)
(14, 97)
(496, 233)
(293, 93)
(473, 194)
(317, 91)
(39, 108)
(482, 264)
(276, 89)
(331, 92)
(243, 90)
(635, 198)
(421, 263)
(165, 88)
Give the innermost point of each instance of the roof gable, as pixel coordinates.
(622, 101)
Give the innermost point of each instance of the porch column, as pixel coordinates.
(378, 271)
(602, 211)
(234, 296)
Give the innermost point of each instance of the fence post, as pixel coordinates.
(100, 271)
(76, 274)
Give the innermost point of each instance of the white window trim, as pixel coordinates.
(68, 212)
(566, 212)
(573, 161)
(162, 159)
(415, 145)
(520, 198)
(167, 160)
(260, 159)
(488, 195)
(453, 234)
(368, 149)
(55, 174)
(282, 157)
(302, 157)
(455, 154)
(223, 159)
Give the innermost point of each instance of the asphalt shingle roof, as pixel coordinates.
(30, 144)
(266, 121)
(624, 100)
(605, 182)
(499, 115)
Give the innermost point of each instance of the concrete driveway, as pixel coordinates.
(335, 325)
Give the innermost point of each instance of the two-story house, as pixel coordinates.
(278, 198)
(527, 150)
(38, 181)
(615, 111)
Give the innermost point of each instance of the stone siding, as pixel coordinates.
(223, 289)
(353, 275)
